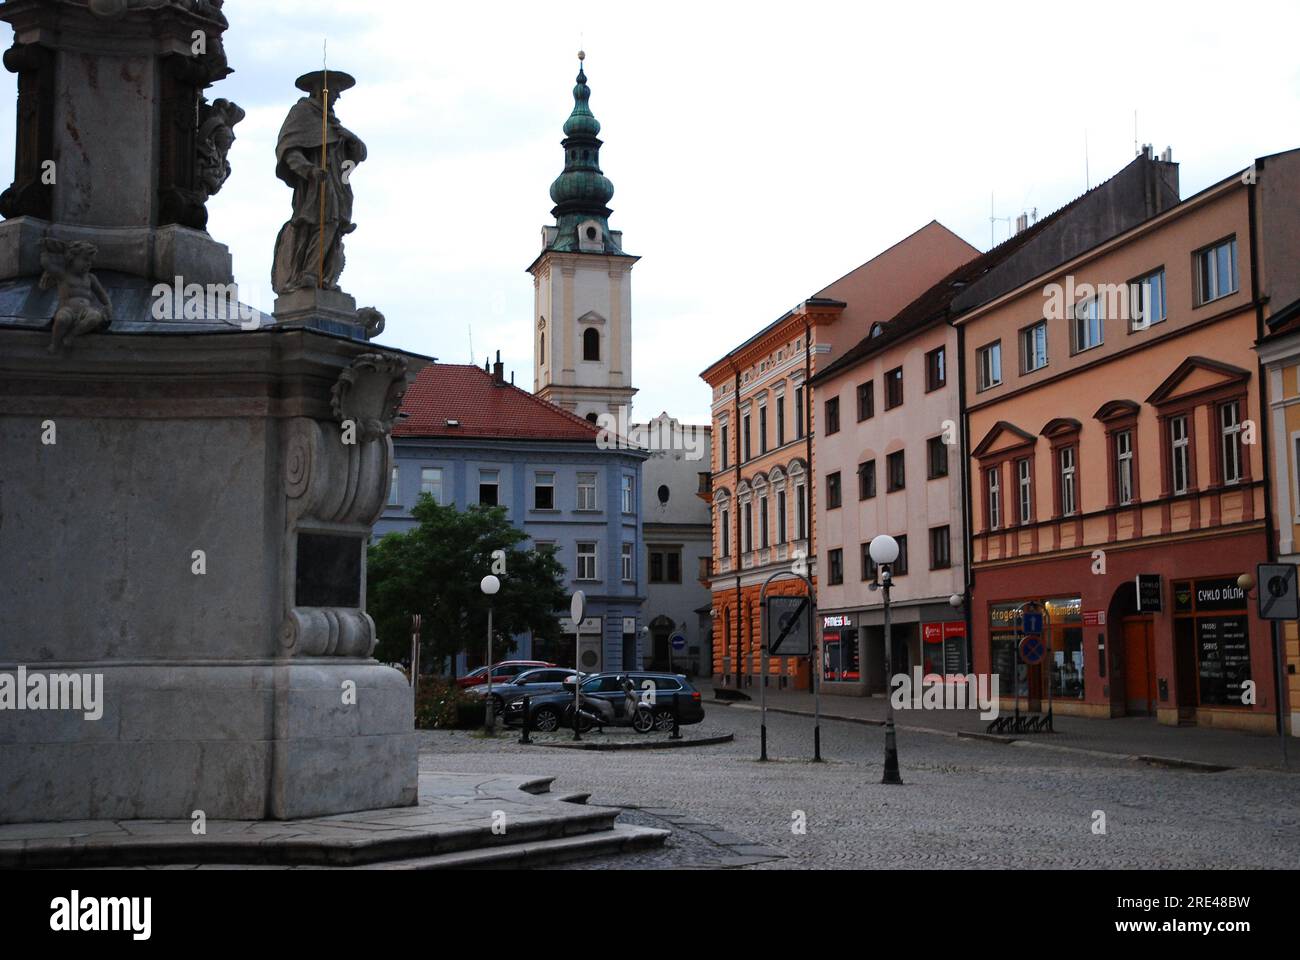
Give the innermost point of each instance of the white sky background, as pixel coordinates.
(758, 150)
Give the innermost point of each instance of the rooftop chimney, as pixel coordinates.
(499, 371)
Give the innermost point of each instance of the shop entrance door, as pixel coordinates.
(1139, 666)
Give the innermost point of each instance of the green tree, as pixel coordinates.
(434, 570)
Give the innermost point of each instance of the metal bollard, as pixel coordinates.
(528, 720)
(677, 727)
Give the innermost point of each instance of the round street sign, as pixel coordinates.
(578, 607)
(678, 642)
(1032, 649)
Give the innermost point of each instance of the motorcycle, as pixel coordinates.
(631, 711)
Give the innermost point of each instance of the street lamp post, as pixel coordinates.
(884, 551)
(489, 585)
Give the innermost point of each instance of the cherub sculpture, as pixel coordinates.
(84, 306)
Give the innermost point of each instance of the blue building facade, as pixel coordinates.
(562, 490)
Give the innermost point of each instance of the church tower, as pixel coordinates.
(582, 314)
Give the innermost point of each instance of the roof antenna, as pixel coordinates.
(470, 328)
(1087, 171)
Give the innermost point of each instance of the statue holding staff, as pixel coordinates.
(315, 155)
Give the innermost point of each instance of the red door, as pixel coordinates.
(1139, 667)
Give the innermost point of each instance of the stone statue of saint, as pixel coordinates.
(84, 305)
(299, 164)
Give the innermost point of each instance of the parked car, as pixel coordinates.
(530, 682)
(553, 711)
(502, 672)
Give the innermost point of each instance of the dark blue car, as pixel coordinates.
(659, 691)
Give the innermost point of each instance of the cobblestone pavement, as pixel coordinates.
(963, 804)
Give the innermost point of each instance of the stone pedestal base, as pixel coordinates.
(156, 253)
(331, 311)
(238, 742)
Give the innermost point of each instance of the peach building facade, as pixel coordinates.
(764, 463)
(1115, 409)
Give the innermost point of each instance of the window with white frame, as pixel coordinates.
(781, 535)
(993, 484)
(544, 491)
(747, 528)
(489, 487)
(1033, 347)
(1230, 428)
(725, 523)
(1024, 487)
(586, 560)
(1069, 487)
(431, 483)
(586, 491)
(1088, 327)
(628, 491)
(1148, 298)
(629, 573)
(801, 512)
(393, 479)
(988, 365)
(1216, 271)
(1124, 466)
(1179, 454)
(762, 523)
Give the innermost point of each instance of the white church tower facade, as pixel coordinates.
(582, 281)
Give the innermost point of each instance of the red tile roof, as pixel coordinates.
(484, 409)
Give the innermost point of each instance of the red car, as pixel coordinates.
(502, 672)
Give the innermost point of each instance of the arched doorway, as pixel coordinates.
(661, 630)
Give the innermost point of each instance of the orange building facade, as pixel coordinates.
(1116, 414)
(764, 459)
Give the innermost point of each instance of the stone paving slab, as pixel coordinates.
(456, 813)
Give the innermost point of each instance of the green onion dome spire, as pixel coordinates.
(582, 190)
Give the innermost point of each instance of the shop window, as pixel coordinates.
(1211, 624)
(840, 655)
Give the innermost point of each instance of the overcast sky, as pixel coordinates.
(758, 150)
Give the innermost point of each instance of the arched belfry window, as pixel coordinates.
(542, 349)
(591, 344)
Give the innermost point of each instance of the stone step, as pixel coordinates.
(343, 846)
(620, 839)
